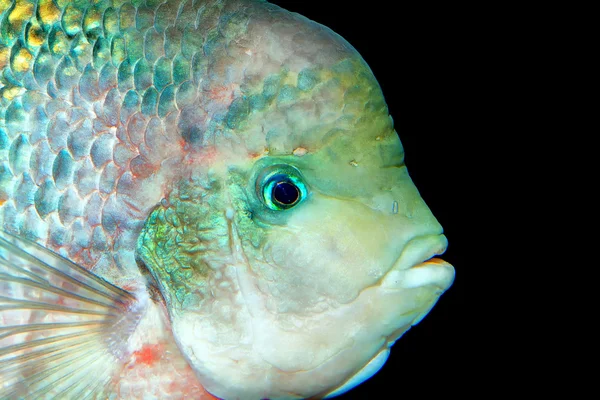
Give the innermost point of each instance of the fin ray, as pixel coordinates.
(46, 356)
(60, 267)
(51, 288)
(16, 329)
(63, 330)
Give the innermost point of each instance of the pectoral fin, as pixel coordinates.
(63, 330)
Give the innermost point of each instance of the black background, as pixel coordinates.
(425, 59)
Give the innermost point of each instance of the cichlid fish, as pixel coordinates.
(198, 199)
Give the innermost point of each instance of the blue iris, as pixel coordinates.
(282, 187)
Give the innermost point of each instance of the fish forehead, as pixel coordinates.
(104, 104)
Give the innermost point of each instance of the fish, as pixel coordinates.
(200, 199)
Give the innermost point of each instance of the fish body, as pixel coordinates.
(199, 197)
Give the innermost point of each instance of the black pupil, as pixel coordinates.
(285, 193)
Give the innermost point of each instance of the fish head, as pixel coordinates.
(295, 249)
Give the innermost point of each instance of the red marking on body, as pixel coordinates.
(159, 371)
(148, 354)
(223, 94)
(206, 156)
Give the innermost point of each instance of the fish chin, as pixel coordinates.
(365, 373)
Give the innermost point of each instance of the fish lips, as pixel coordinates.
(417, 265)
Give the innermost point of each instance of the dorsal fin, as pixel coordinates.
(63, 331)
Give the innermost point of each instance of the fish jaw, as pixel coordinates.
(405, 274)
(357, 336)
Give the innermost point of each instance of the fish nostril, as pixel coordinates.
(395, 207)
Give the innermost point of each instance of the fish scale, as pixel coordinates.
(103, 80)
(88, 93)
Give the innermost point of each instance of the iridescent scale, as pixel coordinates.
(94, 99)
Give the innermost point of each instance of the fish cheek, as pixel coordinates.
(329, 250)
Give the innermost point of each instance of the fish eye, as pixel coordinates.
(281, 187)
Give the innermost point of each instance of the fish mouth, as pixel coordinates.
(418, 265)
